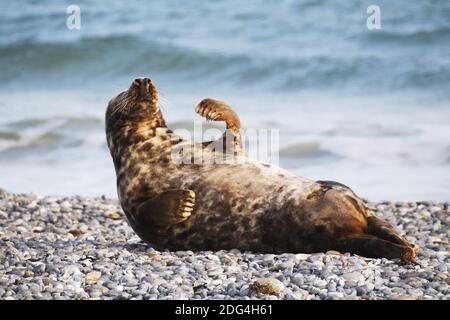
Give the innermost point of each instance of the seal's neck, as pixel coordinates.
(121, 139)
(148, 125)
(144, 129)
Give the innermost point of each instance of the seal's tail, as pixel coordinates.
(380, 240)
(382, 229)
(374, 247)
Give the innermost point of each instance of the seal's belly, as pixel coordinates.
(233, 201)
(243, 189)
(240, 205)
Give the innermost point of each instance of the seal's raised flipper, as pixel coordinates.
(374, 247)
(382, 229)
(217, 110)
(167, 209)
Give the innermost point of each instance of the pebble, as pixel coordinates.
(353, 278)
(93, 276)
(83, 248)
(267, 286)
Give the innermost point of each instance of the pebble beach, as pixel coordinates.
(83, 248)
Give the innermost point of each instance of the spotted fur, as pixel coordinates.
(249, 205)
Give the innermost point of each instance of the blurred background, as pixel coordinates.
(368, 108)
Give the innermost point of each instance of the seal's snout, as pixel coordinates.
(142, 86)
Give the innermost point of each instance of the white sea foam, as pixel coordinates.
(382, 152)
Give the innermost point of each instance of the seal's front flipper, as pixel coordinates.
(374, 247)
(167, 209)
(219, 111)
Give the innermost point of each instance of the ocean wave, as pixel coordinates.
(372, 131)
(9, 136)
(67, 124)
(92, 59)
(417, 37)
(304, 150)
(103, 57)
(86, 124)
(304, 154)
(27, 123)
(37, 145)
(36, 136)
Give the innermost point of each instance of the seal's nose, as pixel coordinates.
(142, 81)
(143, 85)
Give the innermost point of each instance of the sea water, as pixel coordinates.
(368, 108)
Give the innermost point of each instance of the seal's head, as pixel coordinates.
(132, 114)
(143, 95)
(141, 99)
